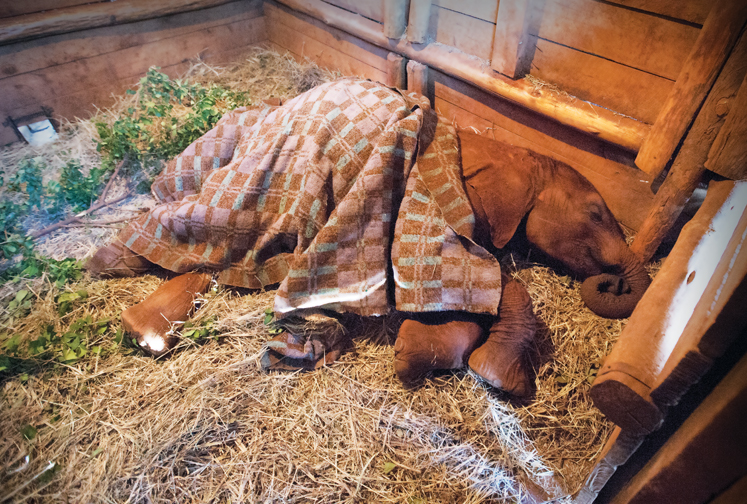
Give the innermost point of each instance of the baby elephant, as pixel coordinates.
(566, 218)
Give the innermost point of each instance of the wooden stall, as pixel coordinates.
(644, 98)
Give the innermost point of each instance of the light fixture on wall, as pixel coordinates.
(36, 129)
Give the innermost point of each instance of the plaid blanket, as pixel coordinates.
(306, 195)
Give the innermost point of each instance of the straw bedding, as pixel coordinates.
(205, 424)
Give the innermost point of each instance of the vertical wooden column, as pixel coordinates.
(689, 165)
(417, 26)
(395, 71)
(513, 46)
(417, 78)
(718, 36)
(395, 17)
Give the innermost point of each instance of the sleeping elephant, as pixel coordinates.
(567, 219)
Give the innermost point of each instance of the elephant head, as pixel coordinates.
(565, 217)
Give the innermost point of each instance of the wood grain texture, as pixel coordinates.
(625, 189)
(694, 11)
(83, 17)
(716, 39)
(617, 87)
(480, 9)
(704, 456)
(512, 54)
(649, 43)
(689, 165)
(468, 34)
(596, 121)
(728, 155)
(71, 88)
(17, 8)
(372, 9)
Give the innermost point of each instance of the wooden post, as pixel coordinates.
(420, 16)
(717, 37)
(728, 155)
(417, 78)
(395, 71)
(513, 46)
(688, 294)
(395, 18)
(704, 456)
(84, 17)
(584, 116)
(689, 165)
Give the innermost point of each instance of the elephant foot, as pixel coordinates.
(117, 261)
(502, 359)
(151, 321)
(421, 348)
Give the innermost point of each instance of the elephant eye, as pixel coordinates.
(595, 214)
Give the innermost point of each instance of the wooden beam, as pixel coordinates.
(417, 26)
(620, 446)
(513, 46)
(689, 165)
(83, 17)
(395, 18)
(417, 79)
(585, 116)
(716, 39)
(700, 275)
(395, 71)
(728, 155)
(704, 456)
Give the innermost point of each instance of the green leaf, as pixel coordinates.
(29, 432)
(389, 467)
(97, 452)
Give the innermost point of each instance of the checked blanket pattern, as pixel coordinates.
(349, 196)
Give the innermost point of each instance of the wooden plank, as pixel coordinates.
(396, 71)
(299, 41)
(617, 87)
(470, 35)
(625, 189)
(371, 9)
(704, 456)
(592, 119)
(83, 17)
(716, 39)
(9, 9)
(417, 78)
(395, 18)
(734, 494)
(694, 11)
(54, 86)
(689, 165)
(480, 9)
(616, 451)
(338, 40)
(649, 43)
(513, 48)
(417, 24)
(58, 50)
(683, 301)
(728, 155)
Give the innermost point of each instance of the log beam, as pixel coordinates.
(728, 155)
(717, 37)
(701, 275)
(395, 18)
(689, 165)
(513, 46)
(417, 79)
(84, 17)
(395, 71)
(420, 16)
(585, 116)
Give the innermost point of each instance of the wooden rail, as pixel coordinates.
(83, 17)
(598, 121)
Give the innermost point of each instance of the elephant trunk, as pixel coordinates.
(616, 295)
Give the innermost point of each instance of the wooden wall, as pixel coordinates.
(71, 72)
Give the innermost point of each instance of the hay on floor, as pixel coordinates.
(207, 425)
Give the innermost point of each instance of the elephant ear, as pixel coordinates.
(498, 181)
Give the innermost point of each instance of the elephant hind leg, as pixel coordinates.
(502, 360)
(421, 347)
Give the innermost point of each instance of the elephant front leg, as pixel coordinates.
(424, 347)
(502, 359)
